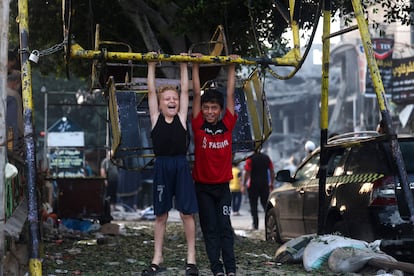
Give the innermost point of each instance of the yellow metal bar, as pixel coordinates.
(35, 267)
(114, 116)
(369, 53)
(220, 40)
(263, 111)
(254, 115)
(27, 97)
(78, 52)
(295, 32)
(324, 114)
(325, 69)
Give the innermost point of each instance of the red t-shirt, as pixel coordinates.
(213, 149)
(259, 165)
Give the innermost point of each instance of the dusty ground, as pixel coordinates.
(130, 252)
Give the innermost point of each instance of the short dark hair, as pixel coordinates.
(213, 96)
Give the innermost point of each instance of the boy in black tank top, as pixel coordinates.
(172, 174)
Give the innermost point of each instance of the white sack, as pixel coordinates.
(319, 248)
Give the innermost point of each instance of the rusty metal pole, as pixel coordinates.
(35, 264)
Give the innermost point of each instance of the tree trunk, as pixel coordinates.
(4, 30)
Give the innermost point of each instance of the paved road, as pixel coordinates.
(241, 224)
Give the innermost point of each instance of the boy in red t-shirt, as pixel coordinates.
(212, 169)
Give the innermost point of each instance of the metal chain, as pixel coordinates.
(55, 48)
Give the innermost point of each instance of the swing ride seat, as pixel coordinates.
(130, 121)
(131, 127)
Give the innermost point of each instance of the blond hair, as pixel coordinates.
(164, 88)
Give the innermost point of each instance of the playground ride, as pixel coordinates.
(137, 156)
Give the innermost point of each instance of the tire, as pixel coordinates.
(272, 229)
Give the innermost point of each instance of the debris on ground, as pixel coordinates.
(129, 252)
(340, 255)
(125, 247)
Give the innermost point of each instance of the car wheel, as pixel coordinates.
(272, 229)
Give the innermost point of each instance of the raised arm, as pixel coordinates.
(183, 111)
(152, 94)
(196, 88)
(231, 78)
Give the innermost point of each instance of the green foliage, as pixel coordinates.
(248, 24)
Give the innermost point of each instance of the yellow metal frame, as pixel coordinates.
(259, 113)
(114, 115)
(290, 59)
(78, 52)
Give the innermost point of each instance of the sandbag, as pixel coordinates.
(349, 259)
(320, 247)
(292, 251)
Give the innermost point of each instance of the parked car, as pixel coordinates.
(364, 199)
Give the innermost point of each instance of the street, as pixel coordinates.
(241, 224)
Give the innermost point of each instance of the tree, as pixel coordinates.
(173, 26)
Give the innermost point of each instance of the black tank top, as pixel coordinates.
(169, 139)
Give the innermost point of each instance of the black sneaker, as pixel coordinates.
(191, 270)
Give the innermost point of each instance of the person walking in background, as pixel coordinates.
(259, 178)
(172, 174)
(110, 171)
(236, 189)
(212, 169)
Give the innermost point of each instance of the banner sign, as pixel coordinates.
(383, 49)
(403, 80)
(67, 162)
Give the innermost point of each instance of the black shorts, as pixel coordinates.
(173, 180)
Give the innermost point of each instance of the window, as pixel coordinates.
(407, 151)
(367, 158)
(334, 160)
(308, 170)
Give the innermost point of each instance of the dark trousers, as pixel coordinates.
(254, 195)
(112, 191)
(236, 198)
(214, 202)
